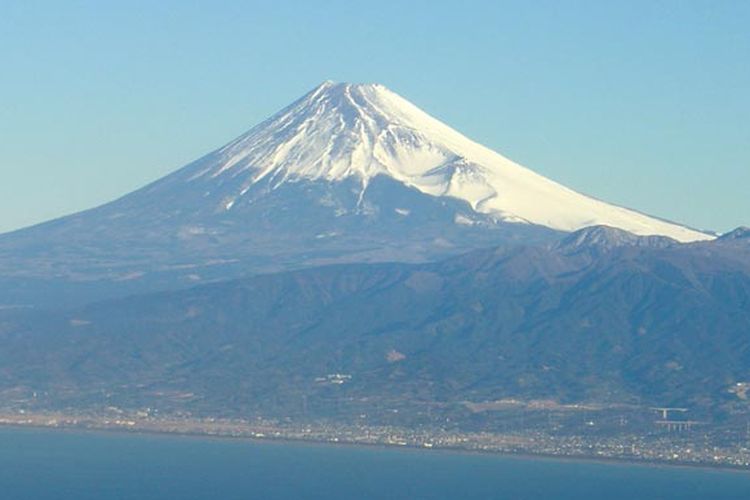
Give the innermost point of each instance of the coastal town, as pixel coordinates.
(670, 449)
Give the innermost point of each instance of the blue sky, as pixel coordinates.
(644, 104)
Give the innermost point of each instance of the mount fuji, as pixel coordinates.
(347, 173)
(343, 131)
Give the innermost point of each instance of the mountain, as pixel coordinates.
(613, 319)
(606, 238)
(348, 173)
(342, 131)
(741, 233)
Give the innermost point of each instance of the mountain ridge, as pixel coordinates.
(658, 325)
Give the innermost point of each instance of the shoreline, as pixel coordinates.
(287, 440)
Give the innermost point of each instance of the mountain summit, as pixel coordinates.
(344, 131)
(347, 173)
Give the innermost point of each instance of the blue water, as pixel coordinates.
(50, 464)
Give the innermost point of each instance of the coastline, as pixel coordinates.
(299, 441)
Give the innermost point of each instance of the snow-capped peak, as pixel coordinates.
(340, 131)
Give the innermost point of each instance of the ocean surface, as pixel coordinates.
(72, 465)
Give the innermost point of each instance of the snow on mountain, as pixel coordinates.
(342, 131)
(348, 173)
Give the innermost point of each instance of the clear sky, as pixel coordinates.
(641, 103)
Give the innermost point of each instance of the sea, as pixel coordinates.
(46, 464)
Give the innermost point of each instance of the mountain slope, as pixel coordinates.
(348, 173)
